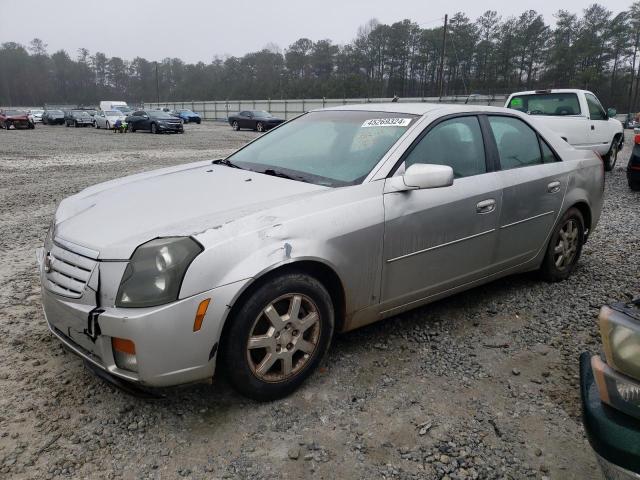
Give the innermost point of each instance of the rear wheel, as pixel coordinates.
(564, 247)
(278, 336)
(611, 158)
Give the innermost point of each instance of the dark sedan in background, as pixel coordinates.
(53, 117)
(187, 116)
(78, 118)
(155, 121)
(258, 120)
(15, 119)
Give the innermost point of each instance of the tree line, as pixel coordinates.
(595, 50)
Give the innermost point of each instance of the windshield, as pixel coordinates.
(113, 113)
(160, 114)
(37, 112)
(124, 109)
(185, 111)
(56, 112)
(261, 113)
(547, 104)
(80, 114)
(332, 148)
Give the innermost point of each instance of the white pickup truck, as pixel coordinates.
(577, 116)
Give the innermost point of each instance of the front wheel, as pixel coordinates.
(235, 126)
(154, 129)
(260, 127)
(564, 247)
(611, 158)
(278, 336)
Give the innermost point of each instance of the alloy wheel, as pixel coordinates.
(283, 338)
(567, 245)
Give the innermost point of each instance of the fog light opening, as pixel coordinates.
(124, 354)
(200, 313)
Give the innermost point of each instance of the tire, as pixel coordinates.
(66, 124)
(611, 158)
(132, 128)
(75, 124)
(260, 127)
(236, 126)
(108, 127)
(198, 121)
(634, 185)
(96, 126)
(564, 249)
(154, 128)
(246, 368)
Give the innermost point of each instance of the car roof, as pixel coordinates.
(551, 90)
(417, 108)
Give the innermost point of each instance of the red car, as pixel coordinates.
(16, 118)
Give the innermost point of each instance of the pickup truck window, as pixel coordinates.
(517, 143)
(555, 104)
(596, 112)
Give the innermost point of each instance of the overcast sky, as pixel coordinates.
(201, 29)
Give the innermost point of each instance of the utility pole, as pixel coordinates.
(157, 86)
(442, 53)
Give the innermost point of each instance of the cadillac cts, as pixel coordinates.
(329, 222)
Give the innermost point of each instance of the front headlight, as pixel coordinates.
(621, 341)
(155, 272)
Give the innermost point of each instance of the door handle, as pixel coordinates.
(593, 127)
(486, 206)
(553, 187)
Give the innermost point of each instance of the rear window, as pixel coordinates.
(554, 104)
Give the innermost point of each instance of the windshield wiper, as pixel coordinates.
(277, 173)
(227, 163)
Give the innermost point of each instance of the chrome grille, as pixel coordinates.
(68, 272)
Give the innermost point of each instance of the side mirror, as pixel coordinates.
(421, 176)
(612, 112)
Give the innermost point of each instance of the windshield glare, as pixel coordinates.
(332, 148)
(554, 104)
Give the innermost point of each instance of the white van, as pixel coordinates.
(107, 105)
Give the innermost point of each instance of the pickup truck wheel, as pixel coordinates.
(611, 158)
(564, 248)
(278, 336)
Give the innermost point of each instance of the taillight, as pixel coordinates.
(637, 139)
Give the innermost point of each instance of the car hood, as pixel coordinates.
(113, 218)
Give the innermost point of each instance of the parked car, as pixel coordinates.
(124, 109)
(633, 167)
(37, 115)
(53, 117)
(78, 118)
(332, 221)
(187, 116)
(258, 120)
(577, 116)
(108, 119)
(630, 122)
(156, 121)
(15, 118)
(610, 388)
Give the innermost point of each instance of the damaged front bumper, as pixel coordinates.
(167, 349)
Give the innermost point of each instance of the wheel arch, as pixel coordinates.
(585, 210)
(322, 272)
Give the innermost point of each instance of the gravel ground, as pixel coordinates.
(481, 385)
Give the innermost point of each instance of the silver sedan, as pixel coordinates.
(108, 119)
(331, 221)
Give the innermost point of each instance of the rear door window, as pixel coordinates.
(517, 142)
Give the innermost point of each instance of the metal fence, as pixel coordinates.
(287, 109)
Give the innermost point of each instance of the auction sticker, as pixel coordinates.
(387, 122)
